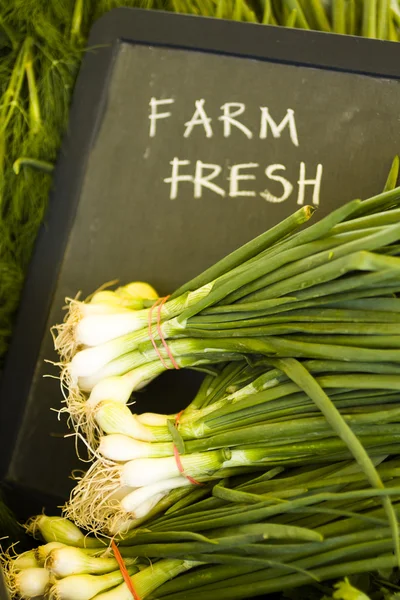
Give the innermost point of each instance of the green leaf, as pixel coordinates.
(345, 591)
(176, 437)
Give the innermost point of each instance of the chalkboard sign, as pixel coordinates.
(188, 137)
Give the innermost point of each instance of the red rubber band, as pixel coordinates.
(124, 571)
(181, 469)
(151, 333)
(159, 302)
(176, 366)
(178, 458)
(178, 418)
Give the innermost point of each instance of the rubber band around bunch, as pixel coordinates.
(124, 571)
(158, 304)
(178, 458)
(178, 418)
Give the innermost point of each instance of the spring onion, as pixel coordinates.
(71, 561)
(254, 302)
(149, 579)
(58, 529)
(85, 587)
(26, 560)
(31, 583)
(258, 532)
(254, 414)
(42, 552)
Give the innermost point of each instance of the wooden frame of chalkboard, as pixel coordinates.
(3, 592)
(265, 43)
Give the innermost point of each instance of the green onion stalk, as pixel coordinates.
(249, 534)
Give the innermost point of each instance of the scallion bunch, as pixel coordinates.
(244, 417)
(72, 566)
(324, 292)
(278, 529)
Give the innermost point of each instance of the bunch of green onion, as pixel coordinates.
(330, 501)
(298, 331)
(72, 566)
(313, 307)
(323, 292)
(248, 535)
(244, 417)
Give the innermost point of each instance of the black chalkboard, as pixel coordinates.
(249, 116)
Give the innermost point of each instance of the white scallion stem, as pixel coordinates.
(99, 329)
(26, 560)
(142, 510)
(143, 366)
(90, 360)
(72, 561)
(120, 366)
(59, 529)
(121, 492)
(85, 587)
(116, 356)
(43, 551)
(146, 471)
(31, 583)
(113, 417)
(154, 419)
(122, 448)
(133, 500)
(120, 388)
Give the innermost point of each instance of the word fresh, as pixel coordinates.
(204, 175)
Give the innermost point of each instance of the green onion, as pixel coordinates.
(290, 581)
(298, 333)
(149, 579)
(58, 529)
(33, 582)
(85, 587)
(349, 254)
(267, 419)
(27, 560)
(66, 561)
(42, 552)
(255, 531)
